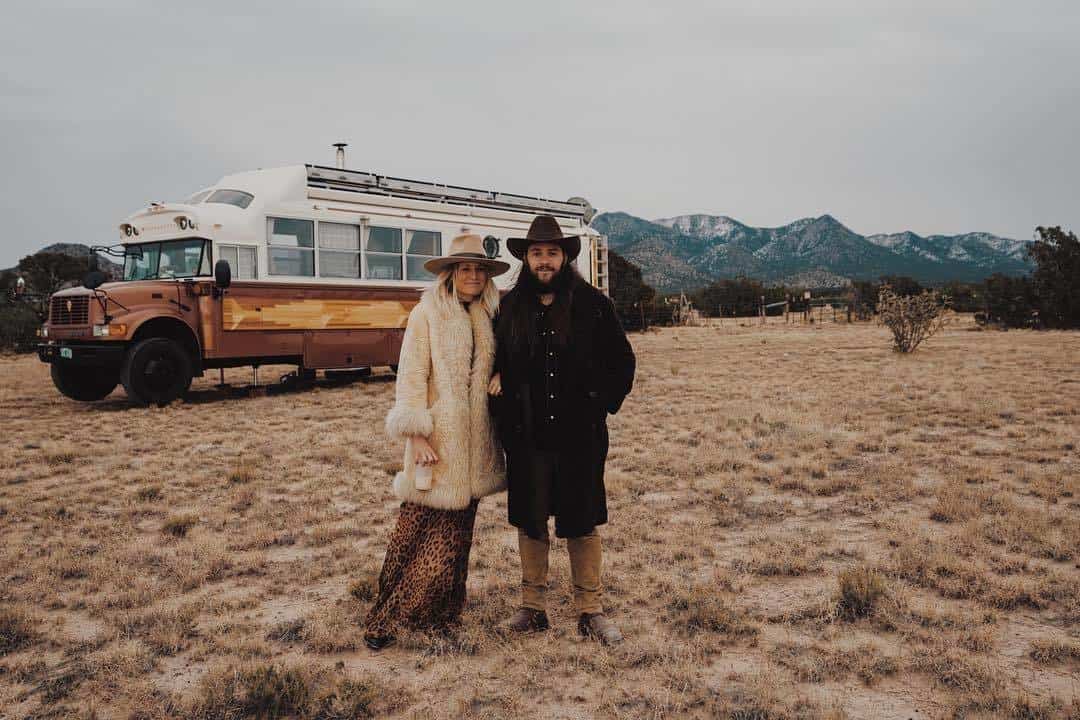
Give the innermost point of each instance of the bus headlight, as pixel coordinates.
(112, 330)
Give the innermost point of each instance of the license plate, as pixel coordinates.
(65, 353)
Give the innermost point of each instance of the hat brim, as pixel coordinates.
(437, 265)
(571, 245)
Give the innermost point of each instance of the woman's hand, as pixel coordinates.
(422, 450)
(495, 385)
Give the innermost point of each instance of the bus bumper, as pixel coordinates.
(83, 354)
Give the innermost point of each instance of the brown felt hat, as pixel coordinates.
(467, 248)
(545, 228)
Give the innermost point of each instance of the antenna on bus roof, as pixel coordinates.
(341, 154)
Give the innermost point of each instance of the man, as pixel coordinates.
(563, 364)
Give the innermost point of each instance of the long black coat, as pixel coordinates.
(598, 369)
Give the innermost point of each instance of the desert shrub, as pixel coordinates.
(166, 632)
(364, 589)
(269, 692)
(178, 525)
(860, 590)
(331, 630)
(699, 609)
(287, 631)
(148, 493)
(911, 319)
(774, 557)
(812, 663)
(954, 669)
(16, 630)
(1051, 651)
(350, 700)
(244, 472)
(261, 691)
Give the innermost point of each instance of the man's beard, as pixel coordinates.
(561, 280)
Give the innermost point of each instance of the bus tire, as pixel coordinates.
(156, 370)
(85, 384)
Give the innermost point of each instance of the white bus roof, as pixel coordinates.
(319, 176)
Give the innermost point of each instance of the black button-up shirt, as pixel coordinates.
(545, 382)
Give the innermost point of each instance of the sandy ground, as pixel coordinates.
(803, 524)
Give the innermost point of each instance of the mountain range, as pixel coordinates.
(688, 251)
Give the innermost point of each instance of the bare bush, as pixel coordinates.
(913, 318)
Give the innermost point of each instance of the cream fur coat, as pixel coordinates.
(442, 379)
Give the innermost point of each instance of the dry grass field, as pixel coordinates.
(804, 524)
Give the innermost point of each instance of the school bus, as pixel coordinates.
(304, 265)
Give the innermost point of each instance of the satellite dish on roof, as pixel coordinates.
(590, 211)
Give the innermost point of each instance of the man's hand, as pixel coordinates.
(495, 386)
(425, 454)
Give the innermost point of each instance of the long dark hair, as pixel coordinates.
(517, 316)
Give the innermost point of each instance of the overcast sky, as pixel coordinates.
(939, 117)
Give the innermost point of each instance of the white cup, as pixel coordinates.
(422, 477)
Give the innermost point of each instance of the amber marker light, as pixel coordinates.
(110, 331)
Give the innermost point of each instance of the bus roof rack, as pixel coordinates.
(319, 176)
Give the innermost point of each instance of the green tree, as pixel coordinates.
(739, 297)
(7, 280)
(902, 285)
(633, 298)
(963, 297)
(1010, 301)
(864, 297)
(1057, 277)
(47, 272)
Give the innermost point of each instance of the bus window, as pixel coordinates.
(291, 246)
(182, 258)
(241, 260)
(141, 261)
(422, 246)
(339, 250)
(383, 253)
(239, 198)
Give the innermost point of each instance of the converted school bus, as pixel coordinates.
(312, 266)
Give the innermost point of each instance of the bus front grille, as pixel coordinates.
(69, 310)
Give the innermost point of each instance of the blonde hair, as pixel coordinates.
(444, 297)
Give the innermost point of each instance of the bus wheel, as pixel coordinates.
(82, 383)
(156, 370)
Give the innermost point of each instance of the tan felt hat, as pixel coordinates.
(467, 248)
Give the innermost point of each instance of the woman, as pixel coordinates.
(451, 456)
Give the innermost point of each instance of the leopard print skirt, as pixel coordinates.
(422, 583)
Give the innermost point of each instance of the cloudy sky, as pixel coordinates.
(939, 117)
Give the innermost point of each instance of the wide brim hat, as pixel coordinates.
(466, 248)
(545, 228)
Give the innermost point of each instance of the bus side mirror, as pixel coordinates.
(222, 277)
(93, 280)
(222, 274)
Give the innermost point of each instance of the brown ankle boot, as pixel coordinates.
(597, 625)
(528, 620)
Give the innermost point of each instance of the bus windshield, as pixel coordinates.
(165, 260)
